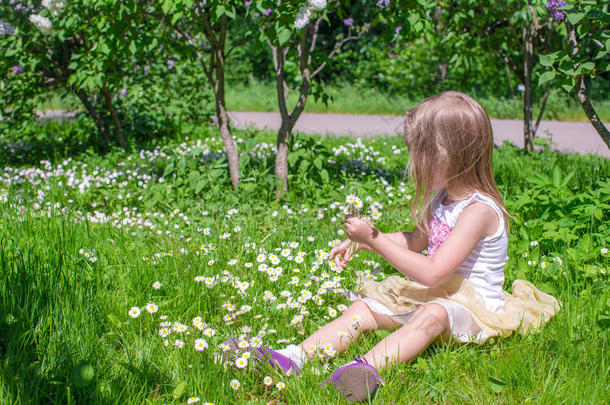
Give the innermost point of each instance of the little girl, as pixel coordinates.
(455, 290)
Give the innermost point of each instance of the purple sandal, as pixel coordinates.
(277, 360)
(357, 381)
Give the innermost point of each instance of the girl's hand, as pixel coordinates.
(360, 229)
(342, 253)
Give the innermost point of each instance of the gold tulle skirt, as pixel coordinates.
(526, 308)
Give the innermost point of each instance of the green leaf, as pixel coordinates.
(545, 77)
(179, 391)
(496, 385)
(556, 177)
(574, 18)
(283, 35)
(168, 169)
(588, 66)
(324, 176)
(83, 374)
(547, 60)
(200, 185)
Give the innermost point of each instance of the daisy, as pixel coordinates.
(164, 332)
(341, 333)
(280, 385)
(134, 312)
(241, 362)
(267, 380)
(156, 285)
(235, 384)
(311, 238)
(179, 343)
(604, 251)
(192, 400)
(201, 345)
(209, 332)
(199, 279)
(151, 308)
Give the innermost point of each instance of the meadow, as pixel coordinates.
(121, 274)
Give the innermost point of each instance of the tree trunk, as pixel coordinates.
(118, 130)
(281, 159)
(528, 99)
(94, 115)
(583, 97)
(218, 48)
(583, 94)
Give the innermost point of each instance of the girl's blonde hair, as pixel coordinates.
(451, 132)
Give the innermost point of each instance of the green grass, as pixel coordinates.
(350, 100)
(59, 308)
(262, 97)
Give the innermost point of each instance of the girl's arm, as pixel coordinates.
(415, 241)
(476, 221)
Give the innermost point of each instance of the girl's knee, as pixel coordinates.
(431, 319)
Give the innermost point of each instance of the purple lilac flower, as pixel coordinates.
(349, 22)
(553, 5)
(367, 25)
(397, 30)
(247, 4)
(383, 3)
(17, 69)
(170, 64)
(267, 12)
(123, 92)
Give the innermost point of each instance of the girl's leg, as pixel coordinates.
(331, 332)
(427, 323)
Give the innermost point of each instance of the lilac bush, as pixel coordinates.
(553, 6)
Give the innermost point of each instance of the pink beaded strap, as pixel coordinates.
(438, 232)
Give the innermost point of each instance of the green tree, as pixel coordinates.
(584, 53)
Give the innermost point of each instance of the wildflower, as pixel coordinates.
(383, 3)
(280, 385)
(201, 345)
(247, 3)
(267, 380)
(156, 285)
(534, 243)
(604, 251)
(17, 69)
(209, 332)
(164, 332)
(356, 321)
(179, 343)
(42, 23)
(543, 265)
(317, 5)
(235, 384)
(241, 362)
(348, 22)
(341, 333)
(151, 308)
(553, 6)
(134, 312)
(54, 6)
(192, 400)
(341, 307)
(311, 238)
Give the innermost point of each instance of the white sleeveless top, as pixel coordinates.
(484, 267)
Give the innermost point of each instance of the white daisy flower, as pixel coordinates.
(235, 384)
(134, 312)
(201, 344)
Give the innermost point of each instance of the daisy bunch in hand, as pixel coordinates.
(353, 209)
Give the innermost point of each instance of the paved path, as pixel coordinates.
(571, 137)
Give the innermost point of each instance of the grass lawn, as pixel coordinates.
(85, 240)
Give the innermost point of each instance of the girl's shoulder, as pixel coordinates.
(450, 212)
